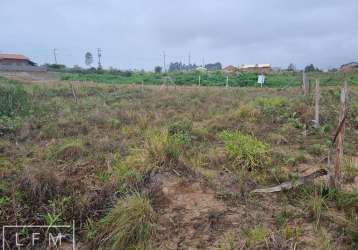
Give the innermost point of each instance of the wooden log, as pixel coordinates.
(292, 184)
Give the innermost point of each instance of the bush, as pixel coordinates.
(182, 131)
(128, 225)
(163, 149)
(270, 105)
(247, 150)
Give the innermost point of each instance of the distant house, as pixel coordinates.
(15, 62)
(201, 69)
(256, 68)
(349, 67)
(230, 70)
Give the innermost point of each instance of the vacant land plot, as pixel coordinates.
(172, 168)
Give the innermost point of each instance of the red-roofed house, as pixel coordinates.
(14, 59)
(15, 62)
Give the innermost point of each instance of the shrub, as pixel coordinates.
(316, 149)
(270, 105)
(128, 225)
(69, 149)
(127, 172)
(248, 150)
(182, 131)
(349, 169)
(255, 235)
(163, 149)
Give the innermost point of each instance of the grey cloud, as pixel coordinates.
(134, 33)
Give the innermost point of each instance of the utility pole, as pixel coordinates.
(55, 55)
(99, 54)
(164, 63)
(203, 62)
(189, 59)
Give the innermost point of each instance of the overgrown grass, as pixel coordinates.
(129, 225)
(246, 150)
(14, 105)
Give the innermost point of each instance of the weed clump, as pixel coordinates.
(163, 149)
(247, 150)
(255, 235)
(127, 226)
(270, 105)
(14, 105)
(13, 101)
(70, 149)
(349, 169)
(182, 131)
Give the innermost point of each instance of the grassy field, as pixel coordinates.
(172, 168)
(279, 79)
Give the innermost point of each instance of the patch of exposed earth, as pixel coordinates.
(192, 216)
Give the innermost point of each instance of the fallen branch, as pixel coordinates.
(292, 184)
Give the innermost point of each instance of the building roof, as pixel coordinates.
(247, 66)
(352, 64)
(230, 67)
(201, 68)
(14, 57)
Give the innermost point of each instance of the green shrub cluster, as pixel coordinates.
(247, 150)
(181, 131)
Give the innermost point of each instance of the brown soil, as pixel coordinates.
(191, 216)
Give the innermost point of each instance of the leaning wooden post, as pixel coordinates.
(317, 99)
(337, 177)
(142, 86)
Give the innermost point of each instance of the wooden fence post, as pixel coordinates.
(73, 92)
(337, 176)
(317, 99)
(227, 81)
(304, 83)
(199, 80)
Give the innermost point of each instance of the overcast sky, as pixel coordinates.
(134, 33)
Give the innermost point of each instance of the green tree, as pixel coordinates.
(158, 69)
(88, 59)
(311, 68)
